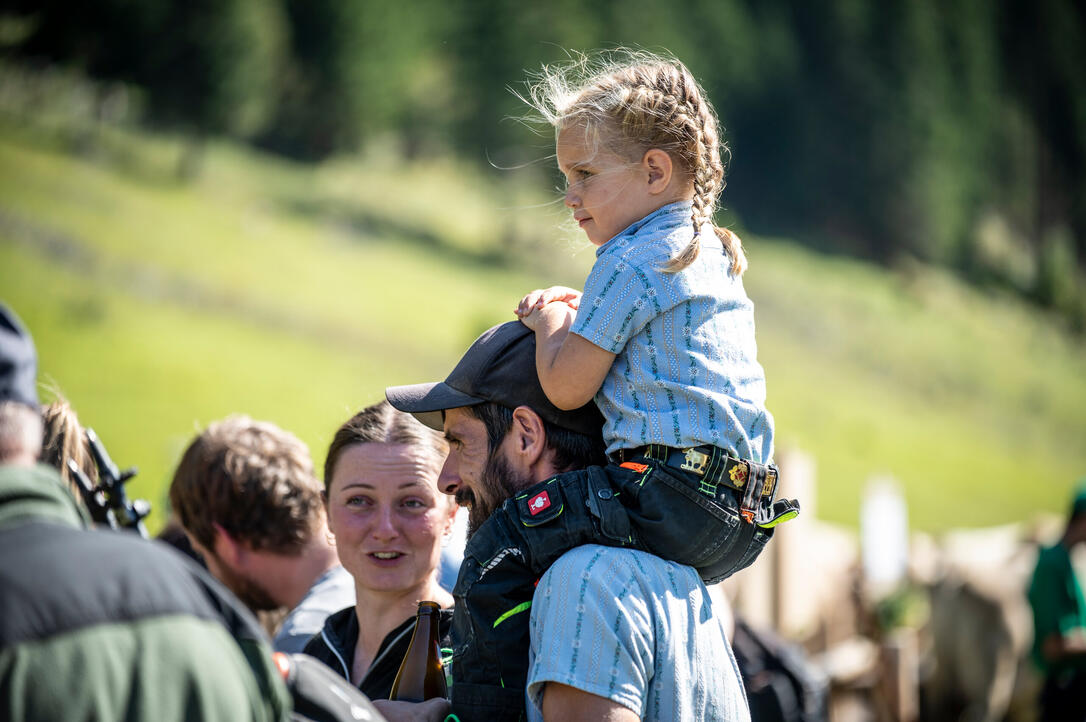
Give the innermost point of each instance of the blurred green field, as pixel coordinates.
(297, 293)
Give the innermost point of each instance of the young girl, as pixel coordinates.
(663, 337)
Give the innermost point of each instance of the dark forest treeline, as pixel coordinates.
(950, 131)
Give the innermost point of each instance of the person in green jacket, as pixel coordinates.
(105, 625)
(1059, 620)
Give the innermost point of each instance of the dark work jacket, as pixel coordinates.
(106, 625)
(650, 506)
(335, 644)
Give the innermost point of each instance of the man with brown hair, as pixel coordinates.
(100, 624)
(248, 499)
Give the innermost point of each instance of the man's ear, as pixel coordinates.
(195, 544)
(226, 547)
(450, 520)
(529, 439)
(659, 168)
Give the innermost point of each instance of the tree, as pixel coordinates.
(207, 65)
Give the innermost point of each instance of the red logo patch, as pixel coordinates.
(539, 502)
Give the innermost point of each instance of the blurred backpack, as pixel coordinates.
(781, 685)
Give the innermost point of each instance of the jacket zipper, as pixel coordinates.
(346, 669)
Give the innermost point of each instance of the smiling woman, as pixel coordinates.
(389, 519)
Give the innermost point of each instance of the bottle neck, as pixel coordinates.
(427, 620)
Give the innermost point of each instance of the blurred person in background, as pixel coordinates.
(1059, 619)
(389, 519)
(246, 495)
(103, 624)
(63, 439)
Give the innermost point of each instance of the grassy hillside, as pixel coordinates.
(296, 294)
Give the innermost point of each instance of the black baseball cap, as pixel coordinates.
(499, 367)
(18, 361)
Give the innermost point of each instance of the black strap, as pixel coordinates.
(714, 466)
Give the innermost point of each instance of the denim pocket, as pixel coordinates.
(673, 519)
(753, 549)
(757, 544)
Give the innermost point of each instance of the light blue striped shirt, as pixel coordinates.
(686, 371)
(635, 629)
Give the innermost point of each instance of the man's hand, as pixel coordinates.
(542, 296)
(432, 710)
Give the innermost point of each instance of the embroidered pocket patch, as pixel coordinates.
(539, 507)
(538, 503)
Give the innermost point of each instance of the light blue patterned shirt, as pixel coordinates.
(635, 629)
(686, 371)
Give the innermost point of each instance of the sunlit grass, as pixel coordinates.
(974, 402)
(296, 294)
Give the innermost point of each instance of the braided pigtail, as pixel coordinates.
(696, 123)
(633, 102)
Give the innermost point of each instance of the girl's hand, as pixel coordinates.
(541, 297)
(571, 368)
(536, 315)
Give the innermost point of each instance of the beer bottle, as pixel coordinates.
(421, 676)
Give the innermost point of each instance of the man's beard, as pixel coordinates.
(251, 594)
(499, 481)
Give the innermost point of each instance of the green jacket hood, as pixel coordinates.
(36, 493)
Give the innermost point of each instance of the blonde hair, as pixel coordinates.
(634, 101)
(63, 438)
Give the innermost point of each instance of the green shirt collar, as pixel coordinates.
(37, 493)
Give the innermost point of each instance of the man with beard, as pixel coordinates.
(246, 495)
(605, 632)
(99, 624)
